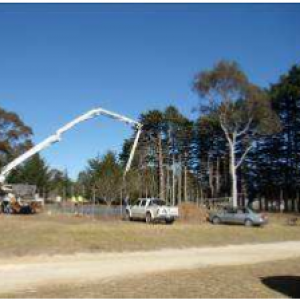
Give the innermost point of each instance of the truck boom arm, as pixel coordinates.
(58, 136)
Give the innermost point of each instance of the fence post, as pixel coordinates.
(94, 202)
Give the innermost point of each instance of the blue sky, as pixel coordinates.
(58, 61)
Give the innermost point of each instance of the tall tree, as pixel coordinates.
(153, 123)
(243, 110)
(34, 172)
(279, 154)
(210, 154)
(60, 183)
(104, 174)
(178, 134)
(15, 136)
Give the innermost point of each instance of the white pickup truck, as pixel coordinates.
(151, 210)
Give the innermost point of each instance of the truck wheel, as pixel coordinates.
(148, 218)
(127, 216)
(169, 222)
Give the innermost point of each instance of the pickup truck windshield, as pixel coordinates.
(157, 202)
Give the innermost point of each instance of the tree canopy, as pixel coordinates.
(244, 138)
(242, 109)
(15, 136)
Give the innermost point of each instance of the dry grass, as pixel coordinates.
(191, 213)
(215, 282)
(43, 234)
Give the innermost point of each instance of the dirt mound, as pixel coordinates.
(192, 213)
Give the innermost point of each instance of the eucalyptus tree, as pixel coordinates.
(15, 136)
(242, 108)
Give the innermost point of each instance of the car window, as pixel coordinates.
(158, 202)
(143, 202)
(137, 203)
(231, 210)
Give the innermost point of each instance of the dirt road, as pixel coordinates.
(28, 273)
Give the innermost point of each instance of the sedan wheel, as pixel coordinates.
(248, 223)
(216, 221)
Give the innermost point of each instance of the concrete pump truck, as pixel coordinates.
(12, 204)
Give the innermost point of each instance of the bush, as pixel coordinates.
(191, 213)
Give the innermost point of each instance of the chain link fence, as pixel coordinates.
(91, 210)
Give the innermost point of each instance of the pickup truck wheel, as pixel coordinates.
(216, 221)
(148, 218)
(169, 222)
(127, 216)
(248, 223)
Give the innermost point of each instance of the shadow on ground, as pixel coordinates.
(286, 285)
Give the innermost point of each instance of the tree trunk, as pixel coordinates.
(185, 177)
(218, 177)
(173, 179)
(201, 194)
(293, 204)
(146, 183)
(180, 181)
(161, 180)
(260, 203)
(185, 184)
(154, 192)
(233, 175)
(140, 179)
(168, 184)
(211, 177)
(168, 170)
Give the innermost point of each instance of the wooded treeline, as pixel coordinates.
(180, 159)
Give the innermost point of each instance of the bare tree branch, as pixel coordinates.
(243, 156)
(244, 131)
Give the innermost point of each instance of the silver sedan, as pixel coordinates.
(230, 215)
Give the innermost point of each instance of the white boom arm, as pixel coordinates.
(58, 136)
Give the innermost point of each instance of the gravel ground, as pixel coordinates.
(280, 279)
(37, 272)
